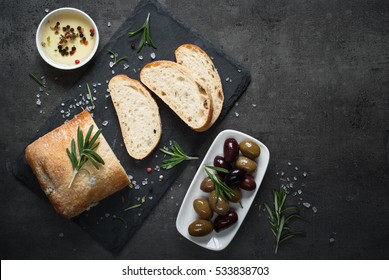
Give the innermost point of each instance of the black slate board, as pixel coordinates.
(168, 33)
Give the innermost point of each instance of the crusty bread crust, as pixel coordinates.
(49, 161)
(138, 115)
(198, 61)
(180, 90)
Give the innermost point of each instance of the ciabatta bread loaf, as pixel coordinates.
(51, 165)
(194, 58)
(181, 91)
(138, 115)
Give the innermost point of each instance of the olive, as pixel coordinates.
(202, 208)
(237, 194)
(200, 228)
(234, 176)
(218, 204)
(207, 185)
(224, 221)
(219, 161)
(231, 150)
(246, 164)
(249, 149)
(248, 183)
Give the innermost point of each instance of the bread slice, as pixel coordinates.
(138, 115)
(180, 90)
(194, 58)
(51, 165)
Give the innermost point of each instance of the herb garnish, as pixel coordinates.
(90, 95)
(38, 81)
(177, 156)
(221, 188)
(146, 39)
(115, 56)
(86, 152)
(279, 221)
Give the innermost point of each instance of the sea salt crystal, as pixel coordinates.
(295, 178)
(140, 57)
(332, 240)
(47, 10)
(299, 191)
(62, 111)
(61, 235)
(111, 64)
(236, 114)
(94, 85)
(109, 24)
(152, 55)
(305, 174)
(40, 89)
(104, 123)
(107, 215)
(157, 168)
(282, 173)
(230, 80)
(239, 70)
(113, 72)
(160, 178)
(145, 182)
(296, 168)
(38, 102)
(289, 163)
(62, 104)
(227, 79)
(254, 105)
(125, 66)
(307, 204)
(314, 209)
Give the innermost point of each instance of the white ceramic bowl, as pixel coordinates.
(65, 12)
(219, 240)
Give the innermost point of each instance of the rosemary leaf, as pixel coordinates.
(86, 152)
(146, 37)
(38, 81)
(133, 207)
(279, 221)
(90, 95)
(177, 156)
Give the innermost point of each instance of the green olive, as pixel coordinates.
(218, 204)
(202, 208)
(207, 185)
(246, 164)
(200, 228)
(237, 194)
(250, 149)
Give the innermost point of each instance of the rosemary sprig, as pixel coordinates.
(90, 95)
(145, 39)
(133, 207)
(177, 156)
(86, 147)
(279, 221)
(221, 188)
(38, 81)
(116, 59)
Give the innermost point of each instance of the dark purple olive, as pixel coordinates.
(234, 176)
(219, 161)
(231, 150)
(247, 183)
(225, 221)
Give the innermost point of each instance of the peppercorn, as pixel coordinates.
(73, 48)
(133, 46)
(57, 23)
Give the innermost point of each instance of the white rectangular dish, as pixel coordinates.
(219, 240)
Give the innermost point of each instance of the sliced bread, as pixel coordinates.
(180, 90)
(138, 115)
(194, 58)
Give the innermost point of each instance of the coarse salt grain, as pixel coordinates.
(307, 204)
(152, 55)
(104, 123)
(236, 114)
(109, 24)
(314, 209)
(140, 57)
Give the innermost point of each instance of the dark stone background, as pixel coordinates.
(318, 99)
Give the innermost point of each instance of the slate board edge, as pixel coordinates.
(240, 89)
